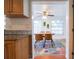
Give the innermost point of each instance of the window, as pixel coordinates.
(58, 27)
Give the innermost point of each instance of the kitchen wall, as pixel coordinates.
(18, 24)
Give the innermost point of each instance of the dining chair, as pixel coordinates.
(49, 37)
(38, 38)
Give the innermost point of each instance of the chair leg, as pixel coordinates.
(35, 44)
(53, 44)
(44, 44)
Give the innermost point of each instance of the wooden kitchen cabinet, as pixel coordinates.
(9, 49)
(16, 48)
(7, 6)
(17, 8)
(22, 48)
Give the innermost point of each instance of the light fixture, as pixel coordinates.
(45, 13)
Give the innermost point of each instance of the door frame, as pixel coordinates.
(71, 29)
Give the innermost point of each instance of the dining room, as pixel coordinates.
(50, 30)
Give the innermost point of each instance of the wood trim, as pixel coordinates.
(71, 33)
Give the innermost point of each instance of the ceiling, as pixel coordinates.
(58, 9)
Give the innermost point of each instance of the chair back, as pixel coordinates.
(38, 37)
(48, 36)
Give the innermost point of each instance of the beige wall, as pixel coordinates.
(18, 24)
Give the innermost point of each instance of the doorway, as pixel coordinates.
(50, 17)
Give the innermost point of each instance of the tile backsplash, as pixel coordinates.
(18, 24)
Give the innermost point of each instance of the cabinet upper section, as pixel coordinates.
(17, 8)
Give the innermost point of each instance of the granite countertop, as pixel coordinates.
(16, 34)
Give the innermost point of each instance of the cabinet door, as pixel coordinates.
(9, 50)
(12, 7)
(17, 7)
(8, 5)
(22, 48)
